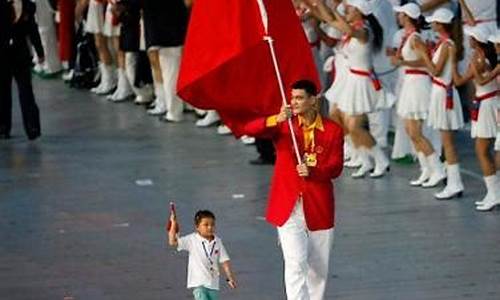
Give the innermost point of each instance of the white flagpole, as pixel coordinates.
(269, 40)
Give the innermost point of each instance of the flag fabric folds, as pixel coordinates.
(227, 64)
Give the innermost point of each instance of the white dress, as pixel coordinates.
(100, 22)
(440, 117)
(95, 17)
(341, 70)
(358, 95)
(486, 124)
(415, 87)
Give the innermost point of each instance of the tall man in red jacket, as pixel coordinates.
(301, 202)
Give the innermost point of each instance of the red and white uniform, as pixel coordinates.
(484, 111)
(445, 112)
(415, 85)
(360, 95)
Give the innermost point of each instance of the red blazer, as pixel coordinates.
(287, 185)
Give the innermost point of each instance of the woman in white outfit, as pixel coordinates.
(483, 110)
(445, 111)
(361, 92)
(413, 104)
(99, 23)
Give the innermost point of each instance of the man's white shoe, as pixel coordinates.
(223, 130)
(247, 140)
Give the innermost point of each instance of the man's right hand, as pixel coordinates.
(285, 114)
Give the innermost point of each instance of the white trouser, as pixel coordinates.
(47, 29)
(306, 254)
(170, 58)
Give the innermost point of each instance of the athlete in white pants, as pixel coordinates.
(47, 29)
(306, 254)
(170, 58)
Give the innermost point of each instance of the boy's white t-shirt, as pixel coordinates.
(204, 259)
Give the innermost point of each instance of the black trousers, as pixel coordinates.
(21, 73)
(265, 148)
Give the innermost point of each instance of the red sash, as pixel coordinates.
(449, 92)
(371, 74)
(476, 104)
(416, 72)
(408, 33)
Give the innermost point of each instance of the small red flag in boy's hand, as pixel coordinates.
(173, 216)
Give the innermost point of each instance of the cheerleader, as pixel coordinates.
(484, 108)
(99, 23)
(340, 68)
(361, 92)
(413, 101)
(445, 111)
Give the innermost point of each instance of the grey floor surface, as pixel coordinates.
(74, 222)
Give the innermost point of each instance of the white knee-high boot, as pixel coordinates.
(124, 90)
(492, 198)
(424, 168)
(366, 165)
(108, 80)
(438, 173)
(490, 182)
(381, 161)
(454, 186)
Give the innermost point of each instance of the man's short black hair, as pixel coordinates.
(202, 214)
(305, 85)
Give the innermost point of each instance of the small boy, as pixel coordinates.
(206, 252)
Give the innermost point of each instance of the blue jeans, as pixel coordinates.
(202, 293)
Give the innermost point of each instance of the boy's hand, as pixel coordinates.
(173, 224)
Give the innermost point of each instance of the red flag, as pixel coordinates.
(227, 65)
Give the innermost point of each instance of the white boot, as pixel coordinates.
(211, 118)
(381, 162)
(438, 173)
(160, 107)
(454, 186)
(425, 170)
(124, 90)
(144, 95)
(494, 191)
(108, 80)
(490, 182)
(355, 161)
(366, 165)
(98, 88)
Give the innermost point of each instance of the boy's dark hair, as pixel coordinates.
(305, 85)
(202, 214)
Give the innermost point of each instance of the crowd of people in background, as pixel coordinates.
(422, 69)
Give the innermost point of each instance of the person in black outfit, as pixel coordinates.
(266, 151)
(165, 24)
(17, 23)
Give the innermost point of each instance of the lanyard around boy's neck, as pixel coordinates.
(207, 254)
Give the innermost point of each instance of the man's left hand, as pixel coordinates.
(303, 170)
